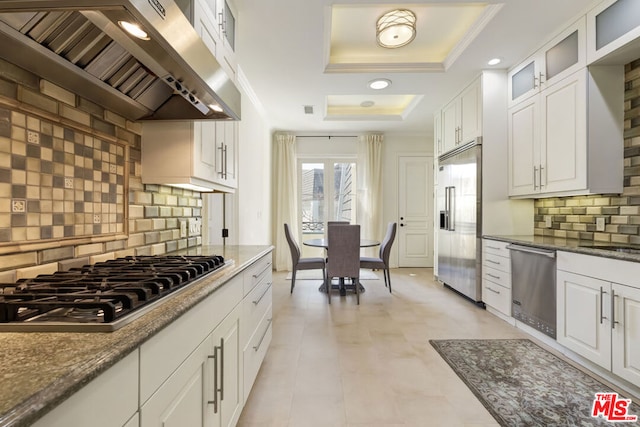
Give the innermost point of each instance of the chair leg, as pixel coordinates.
(293, 279)
(356, 284)
(327, 285)
(388, 277)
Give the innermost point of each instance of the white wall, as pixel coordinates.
(253, 197)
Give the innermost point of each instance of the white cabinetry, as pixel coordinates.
(109, 400)
(195, 155)
(496, 276)
(567, 139)
(461, 118)
(613, 29)
(562, 56)
(598, 312)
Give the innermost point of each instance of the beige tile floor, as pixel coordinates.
(369, 365)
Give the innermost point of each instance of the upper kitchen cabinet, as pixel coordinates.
(460, 119)
(567, 140)
(215, 22)
(195, 155)
(613, 29)
(559, 58)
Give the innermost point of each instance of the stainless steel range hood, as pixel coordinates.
(81, 46)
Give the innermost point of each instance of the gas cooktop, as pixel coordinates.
(101, 297)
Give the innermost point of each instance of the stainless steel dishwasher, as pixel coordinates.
(533, 283)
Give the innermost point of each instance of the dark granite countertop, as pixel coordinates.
(39, 370)
(620, 251)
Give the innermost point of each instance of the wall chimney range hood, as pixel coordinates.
(169, 74)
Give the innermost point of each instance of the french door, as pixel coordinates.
(326, 193)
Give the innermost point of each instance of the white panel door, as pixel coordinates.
(415, 211)
(524, 146)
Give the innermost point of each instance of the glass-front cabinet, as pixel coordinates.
(559, 58)
(614, 27)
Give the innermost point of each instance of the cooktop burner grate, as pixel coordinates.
(102, 296)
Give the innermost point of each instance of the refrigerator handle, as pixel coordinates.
(446, 208)
(452, 208)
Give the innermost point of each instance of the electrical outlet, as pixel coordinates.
(183, 227)
(600, 224)
(548, 221)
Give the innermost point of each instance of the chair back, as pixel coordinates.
(343, 253)
(337, 223)
(293, 246)
(387, 242)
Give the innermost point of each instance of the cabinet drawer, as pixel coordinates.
(501, 278)
(257, 273)
(497, 297)
(255, 351)
(495, 247)
(498, 262)
(254, 306)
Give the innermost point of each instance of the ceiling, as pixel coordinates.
(320, 54)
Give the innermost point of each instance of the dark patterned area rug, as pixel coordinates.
(522, 384)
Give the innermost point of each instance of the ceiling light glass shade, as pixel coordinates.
(379, 84)
(396, 28)
(494, 61)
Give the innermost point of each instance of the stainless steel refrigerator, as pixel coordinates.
(459, 199)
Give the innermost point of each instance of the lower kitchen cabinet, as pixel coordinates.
(496, 276)
(599, 318)
(227, 371)
(109, 400)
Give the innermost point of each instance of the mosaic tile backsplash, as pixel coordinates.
(575, 217)
(57, 182)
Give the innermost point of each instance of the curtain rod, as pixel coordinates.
(326, 136)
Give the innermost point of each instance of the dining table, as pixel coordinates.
(341, 285)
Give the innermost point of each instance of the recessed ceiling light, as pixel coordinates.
(216, 107)
(378, 84)
(367, 104)
(134, 29)
(494, 61)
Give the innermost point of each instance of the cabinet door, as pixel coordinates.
(206, 26)
(626, 333)
(612, 25)
(524, 81)
(437, 134)
(226, 153)
(183, 399)
(205, 159)
(524, 146)
(584, 316)
(471, 113)
(226, 338)
(564, 55)
(450, 125)
(564, 139)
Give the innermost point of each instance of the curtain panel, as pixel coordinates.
(285, 197)
(369, 182)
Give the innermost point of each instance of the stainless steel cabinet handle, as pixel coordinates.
(613, 309)
(494, 262)
(221, 368)
(256, 347)
(541, 184)
(602, 293)
(256, 302)
(226, 159)
(537, 251)
(255, 276)
(493, 247)
(214, 402)
(492, 275)
(221, 171)
(493, 290)
(535, 177)
(541, 78)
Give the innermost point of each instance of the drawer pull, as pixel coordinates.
(493, 290)
(256, 347)
(255, 276)
(494, 262)
(495, 248)
(256, 302)
(493, 275)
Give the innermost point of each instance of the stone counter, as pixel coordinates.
(39, 370)
(586, 247)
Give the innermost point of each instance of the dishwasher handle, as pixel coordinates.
(530, 250)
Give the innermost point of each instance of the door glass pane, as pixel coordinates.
(562, 56)
(523, 81)
(616, 20)
(312, 199)
(343, 208)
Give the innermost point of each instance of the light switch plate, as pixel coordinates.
(548, 221)
(600, 224)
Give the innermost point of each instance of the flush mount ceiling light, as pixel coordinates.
(494, 61)
(134, 29)
(396, 28)
(378, 84)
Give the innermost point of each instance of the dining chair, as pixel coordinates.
(337, 223)
(382, 262)
(343, 261)
(311, 263)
